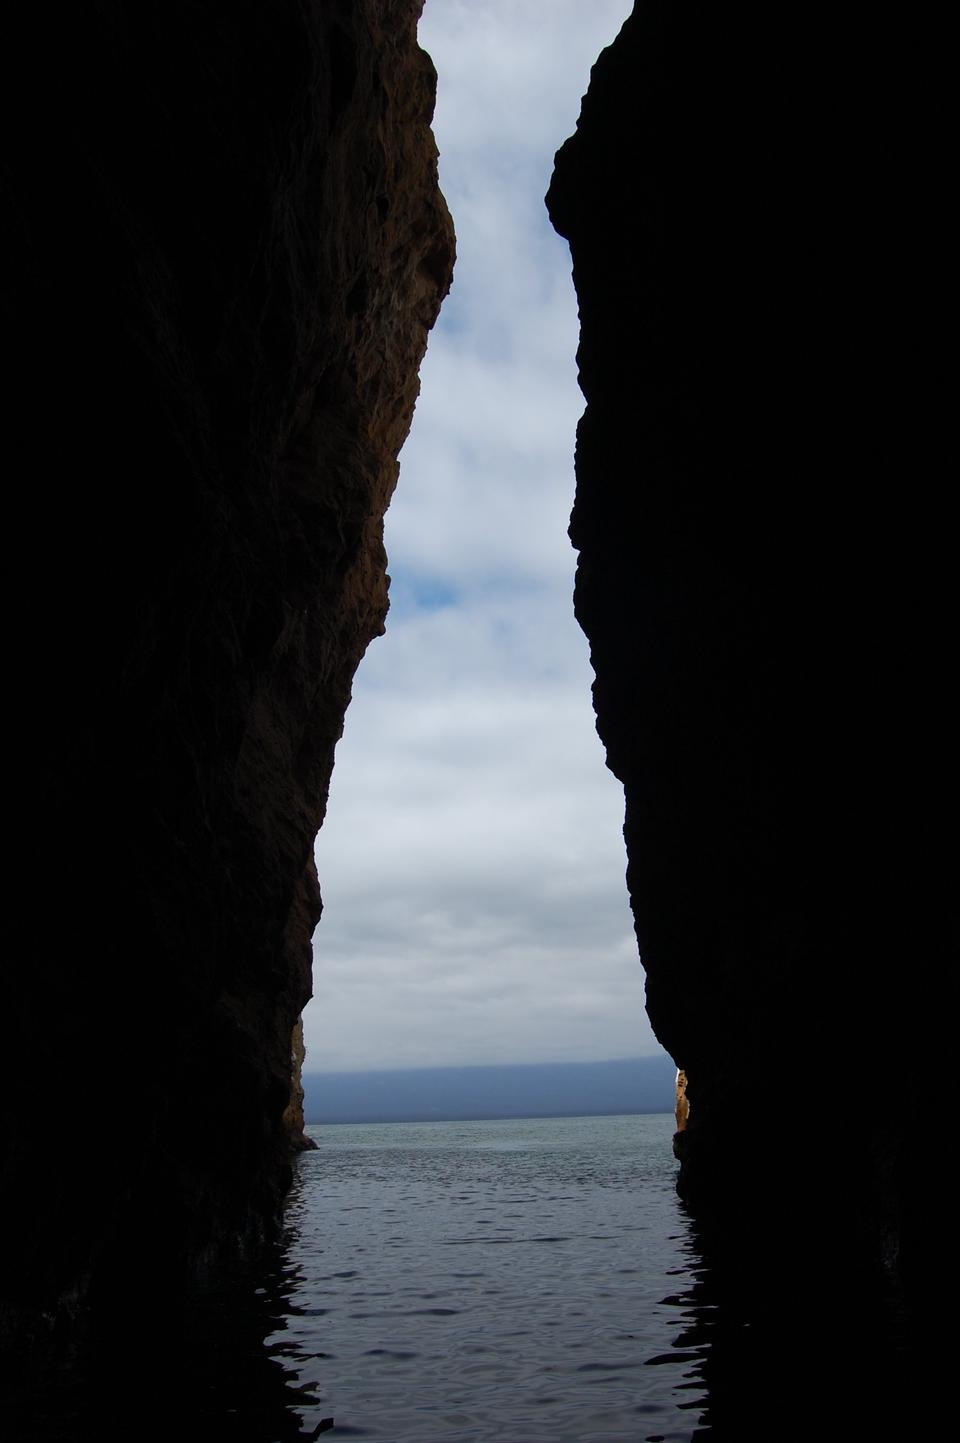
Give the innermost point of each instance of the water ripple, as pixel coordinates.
(575, 1230)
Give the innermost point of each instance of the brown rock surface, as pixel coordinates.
(682, 1107)
(224, 248)
(293, 1119)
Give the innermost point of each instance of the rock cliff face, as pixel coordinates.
(761, 584)
(224, 248)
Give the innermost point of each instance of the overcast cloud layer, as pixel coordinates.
(472, 859)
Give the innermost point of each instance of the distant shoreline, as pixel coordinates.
(488, 1117)
(622, 1088)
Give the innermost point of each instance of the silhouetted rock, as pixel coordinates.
(762, 580)
(224, 246)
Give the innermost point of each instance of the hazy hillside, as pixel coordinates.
(642, 1084)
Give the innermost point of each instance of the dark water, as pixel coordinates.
(492, 1280)
(531, 1281)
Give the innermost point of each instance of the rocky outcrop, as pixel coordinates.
(293, 1119)
(682, 1107)
(224, 248)
(761, 580)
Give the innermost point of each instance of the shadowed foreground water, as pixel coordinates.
(537, 1281)
(527, 1281)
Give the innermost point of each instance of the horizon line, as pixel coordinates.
(482, 1066)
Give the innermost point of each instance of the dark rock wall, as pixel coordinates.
(762, 578)
(224, 246)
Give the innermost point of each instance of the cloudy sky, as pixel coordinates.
(472, 859)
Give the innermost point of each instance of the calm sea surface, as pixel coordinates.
(531, 1281)
(515, 1281)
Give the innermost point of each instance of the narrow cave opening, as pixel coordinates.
(223, 250)
(471, 860)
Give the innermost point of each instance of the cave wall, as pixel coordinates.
(762, 579)
(224, 246)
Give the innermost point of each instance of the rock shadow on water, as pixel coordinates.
(218, 1368)
(787, 1342)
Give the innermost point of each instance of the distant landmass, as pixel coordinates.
(454, 1094)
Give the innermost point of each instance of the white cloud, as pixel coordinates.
(511, 72)
(472, 860)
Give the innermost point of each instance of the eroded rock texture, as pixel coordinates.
(761, 580)
(224, 248)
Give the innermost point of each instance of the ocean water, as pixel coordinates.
(526, 1281)
(523, 1281)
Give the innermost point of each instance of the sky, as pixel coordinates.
(472, 861)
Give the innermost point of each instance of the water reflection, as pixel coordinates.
(784, 1344)
(216, 1370)
(764, 1341)
(235, 1377)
